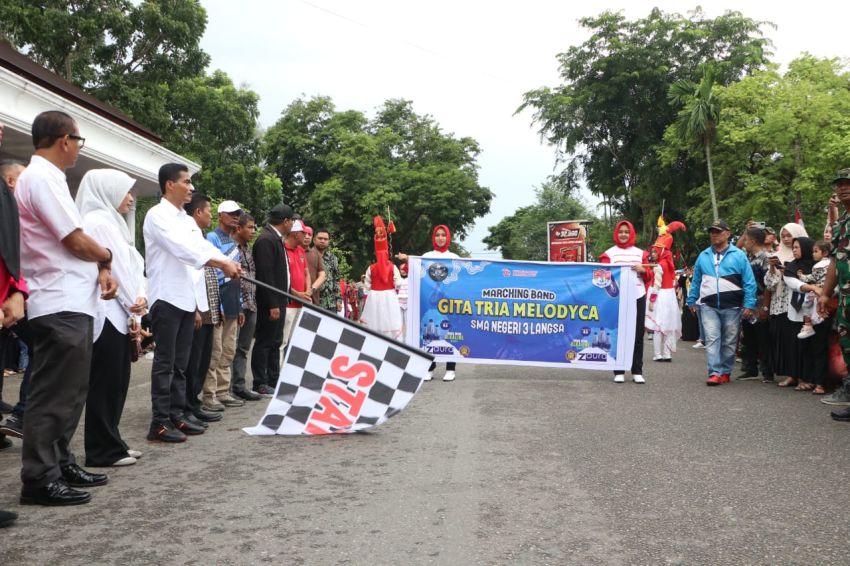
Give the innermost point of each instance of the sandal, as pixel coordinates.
(805, 386)
(787, 382)
(819, 390)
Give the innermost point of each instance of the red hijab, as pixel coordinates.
(444, 248)
(631, 240)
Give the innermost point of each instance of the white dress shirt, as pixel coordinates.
(173, 252)
(127, 269)
(57, 280)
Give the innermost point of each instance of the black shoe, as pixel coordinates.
(187, 428)
(191, 419)
(165, 432)
(206, 417)
(13, 427)
(747, 376)
(768, 380)
(841, 414)
(78, 477)
(247, 395)
(5, 408)
(7, 518)
(55, 493)
(5, 442)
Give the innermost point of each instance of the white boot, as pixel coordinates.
(450, 375)
(429, 376)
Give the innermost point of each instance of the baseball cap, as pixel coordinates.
(229, 207)
(280, 213)
(718, 225)
(841, 175)
(297, 226)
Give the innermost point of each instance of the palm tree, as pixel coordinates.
(697, 121)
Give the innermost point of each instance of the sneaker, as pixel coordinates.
(620, 378)
(806, 332)
(134, 454)
(638, 379)
(13, 427)
(229, 401)
(265, 391)
(842, 415)
(212, 406)
(165, 432)
(717, 379)
(698, 344)
(450, 376)
(840, 396)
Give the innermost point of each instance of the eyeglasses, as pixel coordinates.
(81, 141)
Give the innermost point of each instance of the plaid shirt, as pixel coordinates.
(329, 293)
(249, 290)
(212, 316)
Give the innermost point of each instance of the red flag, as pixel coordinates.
(798, 218)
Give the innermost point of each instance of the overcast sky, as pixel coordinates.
(466, 63)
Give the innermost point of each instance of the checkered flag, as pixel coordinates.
(339, 378)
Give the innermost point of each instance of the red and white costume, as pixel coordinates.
(663, 315)
(381, 311)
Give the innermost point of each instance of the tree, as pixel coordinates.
(522, 235)
(611, 110)
(340, 169)
(697, 121)
(778, 135)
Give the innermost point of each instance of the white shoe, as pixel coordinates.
(429, 376)
(638, 379)
(128, 461)
(619, 378)
(806, 332)
(698, 345)
(450, 375)
(134, 454)
(656, 358)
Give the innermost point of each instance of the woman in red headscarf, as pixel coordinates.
(624, 252)
(381, 311)
(441, 238)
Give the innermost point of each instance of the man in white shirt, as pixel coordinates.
(173, 253)
(64, 284)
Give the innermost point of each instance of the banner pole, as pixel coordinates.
(367, 330)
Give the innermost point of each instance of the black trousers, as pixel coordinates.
(637, 354)
(199, 363)
(265, 357)
(172, 331)
(62, 345)
(755, 348)
(108, 384)
(243, 346)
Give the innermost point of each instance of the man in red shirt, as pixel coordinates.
(299, 277)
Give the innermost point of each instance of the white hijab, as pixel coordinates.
(785, 252)
(101, 192)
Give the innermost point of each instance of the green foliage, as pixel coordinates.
(779, 134)
(339, 169)
(611, 111)
(523, 235)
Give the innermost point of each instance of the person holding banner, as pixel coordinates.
(624, 252)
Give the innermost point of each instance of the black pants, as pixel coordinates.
(637, 354)
(172, 331)
(108, 384)
(755, 348)
(265, 358)
(199, 363)
(450, 366)
(62, 345)
(243, 346)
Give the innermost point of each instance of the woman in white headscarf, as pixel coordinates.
(105, 200)
(782, 333)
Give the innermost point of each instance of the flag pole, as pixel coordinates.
(360, 327)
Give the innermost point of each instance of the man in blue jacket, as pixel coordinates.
(726, 288)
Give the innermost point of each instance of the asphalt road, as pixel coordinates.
(506, 465)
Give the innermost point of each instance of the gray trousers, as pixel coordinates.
(243, 346)
(62, 345)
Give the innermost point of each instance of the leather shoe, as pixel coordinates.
(206, 417)
(191, 419)
(56, 492)
(7, 518)
(187, 428)
(78, 477)
(247, 395)
(841, 414)
(165, 432)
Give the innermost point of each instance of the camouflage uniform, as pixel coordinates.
(329, 292)
(841, 253)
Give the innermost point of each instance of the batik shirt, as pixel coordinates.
(330, 294)
(249, 290)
